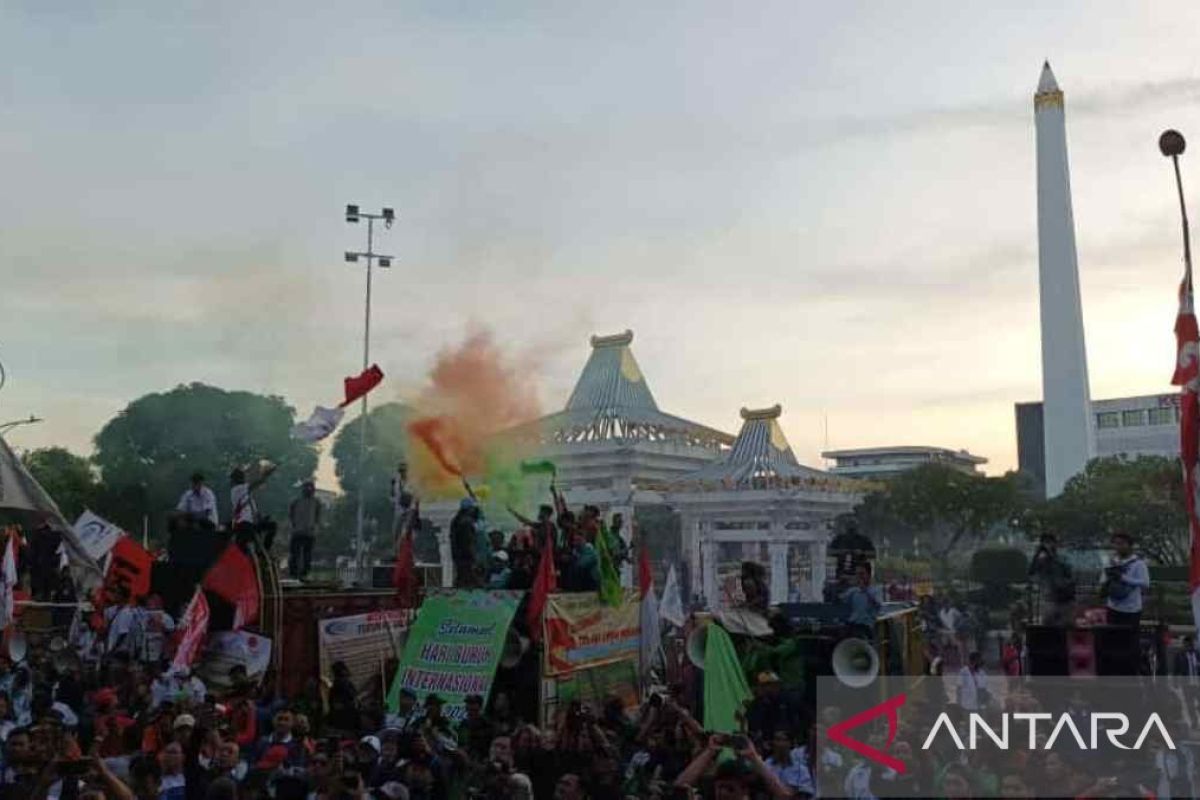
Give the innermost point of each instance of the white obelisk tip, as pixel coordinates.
(1047, 83)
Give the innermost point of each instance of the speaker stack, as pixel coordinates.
(1099, 650)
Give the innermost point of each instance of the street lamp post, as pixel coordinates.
(353, 215)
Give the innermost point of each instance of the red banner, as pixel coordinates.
(193, 629)
(233, 578)
(128, 570)
(360, 384)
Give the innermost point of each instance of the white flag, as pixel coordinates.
(651, 641)
(96, 534)
(8, 581)
(672, 601)
(323, 422)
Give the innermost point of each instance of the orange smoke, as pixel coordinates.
(473, 393)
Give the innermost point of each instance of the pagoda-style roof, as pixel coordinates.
(761, 458)
(612, 402)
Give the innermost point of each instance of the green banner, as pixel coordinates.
(454, 646)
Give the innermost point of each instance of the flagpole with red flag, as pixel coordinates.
(1187, 377)
(544, 583)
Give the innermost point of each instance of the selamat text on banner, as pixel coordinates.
(582, 632)
(454, 646)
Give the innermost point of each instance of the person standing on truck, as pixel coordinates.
(304, 514)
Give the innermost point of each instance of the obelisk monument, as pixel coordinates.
(1066, 398)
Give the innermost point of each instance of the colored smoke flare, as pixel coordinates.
(432, 433)
(473, 393)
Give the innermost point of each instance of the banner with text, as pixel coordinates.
(364, 643)
(582, 632)
(454, 646)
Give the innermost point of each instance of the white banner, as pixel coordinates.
(364, 643)
(96, 534)
(229, 649)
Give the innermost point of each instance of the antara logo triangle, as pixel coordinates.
(837, 733)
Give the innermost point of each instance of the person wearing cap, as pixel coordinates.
(498, 571)
(183, 727)
(408, 715)
(304, 516)
(198, 502)
(735, 776)
(369, 750)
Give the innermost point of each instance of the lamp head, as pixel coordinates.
(1172, 143)
(351, 258)
(351, 213)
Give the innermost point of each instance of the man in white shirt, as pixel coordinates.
(790, 765)
(199, 502)
(972, 684)
(158, 625)
(1126, 578)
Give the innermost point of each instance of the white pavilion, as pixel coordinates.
(615, 449)
(758, 503)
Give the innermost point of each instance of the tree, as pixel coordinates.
(387, 446)
(942, 506)
(1142, 496)
(66, 477)
(147, 453)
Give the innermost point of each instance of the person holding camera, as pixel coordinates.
(1125, 580)
(735, 778)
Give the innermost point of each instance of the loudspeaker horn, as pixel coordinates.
(855, 663)
(515, 648)
(17, 647)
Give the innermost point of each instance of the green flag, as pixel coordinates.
(611, 592)
(725, 688)
(539, 468)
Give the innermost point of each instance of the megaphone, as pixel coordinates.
(855, 663)
(515, 648)
(697, 644)
(17, 647)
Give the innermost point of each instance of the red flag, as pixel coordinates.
(193, 629)
(362, 383)
(129, 568)
(1187, 376)
(645, 575)
(233, 578)
(545, 582)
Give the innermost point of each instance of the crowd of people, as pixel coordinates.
(485, 557)
(126, 725)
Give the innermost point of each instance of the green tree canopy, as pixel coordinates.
(1141, 496)
(147, 453)
(66, 477)
(944, 507)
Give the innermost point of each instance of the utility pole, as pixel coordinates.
(353, 215)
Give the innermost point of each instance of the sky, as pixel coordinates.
(828, 206)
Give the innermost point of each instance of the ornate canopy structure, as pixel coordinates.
(758, 503)
(611, 442)
(613, 447)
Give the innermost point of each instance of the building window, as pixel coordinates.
(1108, 419)
(1162, 416)
(1133, 418)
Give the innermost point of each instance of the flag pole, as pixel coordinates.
(1172, 145)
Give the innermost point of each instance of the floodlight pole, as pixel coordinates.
(352, 216)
